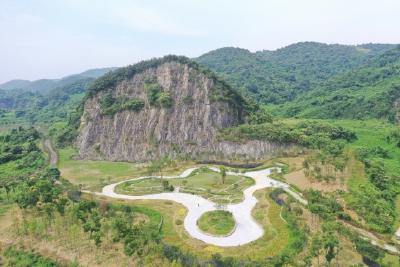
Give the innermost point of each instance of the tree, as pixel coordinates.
(165, 185)
(25, 196)
(51, 173)
(158, 165)
(260, 116)
(223, 174)
(330, 243)
(107, 101)
(8, 185)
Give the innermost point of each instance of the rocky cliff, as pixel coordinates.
(167, 106)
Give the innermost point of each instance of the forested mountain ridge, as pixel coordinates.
(45, 85)
(274, 77)
(45, 100)
(371, 91)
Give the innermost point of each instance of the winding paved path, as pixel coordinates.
(247, 229)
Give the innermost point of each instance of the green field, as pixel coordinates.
(203, 182)
(94, 174)
(373, 133)
(218, 222)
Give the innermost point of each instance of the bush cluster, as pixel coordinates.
(111, 105)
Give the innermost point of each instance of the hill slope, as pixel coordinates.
(275, 77)
(44, 101)
(371, 91)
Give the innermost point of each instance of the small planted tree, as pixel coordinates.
(223, 175)
(157, 166)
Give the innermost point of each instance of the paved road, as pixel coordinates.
(247, 229)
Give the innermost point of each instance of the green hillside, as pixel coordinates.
(44, 101)
(275, 77)
(371, 91)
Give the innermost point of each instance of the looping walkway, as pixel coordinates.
(247, 229)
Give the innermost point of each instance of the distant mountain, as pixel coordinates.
(45, 85)
(274, 77)
(46, 100)
(13, 84)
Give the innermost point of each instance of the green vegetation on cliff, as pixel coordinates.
(111, 105)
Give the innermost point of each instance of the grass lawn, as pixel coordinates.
(218, 222)
(372, 133)
(94, 174)
(203, 182)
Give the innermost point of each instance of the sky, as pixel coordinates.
(55, 38)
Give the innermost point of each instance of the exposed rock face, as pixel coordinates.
(188, 128)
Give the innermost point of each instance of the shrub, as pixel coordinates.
(156, 96)
(153, 91)
(111, 105)
(165, 100)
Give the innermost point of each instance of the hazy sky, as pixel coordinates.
(54, 38)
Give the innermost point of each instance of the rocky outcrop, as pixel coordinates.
(188, 127)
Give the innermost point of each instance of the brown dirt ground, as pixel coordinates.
(299, 179)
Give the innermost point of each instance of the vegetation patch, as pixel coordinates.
(19, 155)
(307, 133)
(218, 223)
(22, 258)
(156, 95)
(111, 105)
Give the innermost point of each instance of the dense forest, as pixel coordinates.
(315, 80)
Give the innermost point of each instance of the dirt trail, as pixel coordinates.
(53, 156)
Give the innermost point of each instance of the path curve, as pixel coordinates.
(247, 229)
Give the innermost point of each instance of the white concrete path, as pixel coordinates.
(247, 229)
